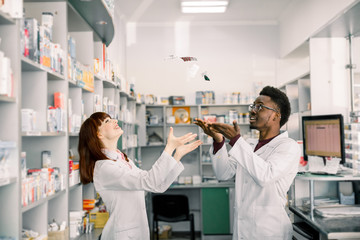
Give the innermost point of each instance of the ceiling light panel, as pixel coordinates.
(203, 9)
(188, 6)
(204, 3)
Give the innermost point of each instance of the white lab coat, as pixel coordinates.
(262, 181)
(122, 190)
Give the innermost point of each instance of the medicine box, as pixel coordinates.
(177, 100)
(165, 232)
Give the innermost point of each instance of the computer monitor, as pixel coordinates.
(323, 136)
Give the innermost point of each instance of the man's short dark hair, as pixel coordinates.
(281, 100)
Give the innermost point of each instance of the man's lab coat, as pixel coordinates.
(123, 191)
(262, 181)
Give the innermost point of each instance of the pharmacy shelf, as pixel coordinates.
(96, 14)
(155, 106)
(73, 134)
(5, 18)
(182, 125)
(98, 77)
(85, 90)
(27, 65)
(7, 181)
(109, 84)
(171, 106)
(125, 94)
(7, 99)
(155, 125)
(128, 123)
(153, 146)
(43, 134)
(225, 105)
(42, 201)
(72, 83)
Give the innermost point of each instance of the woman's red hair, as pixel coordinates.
(90, 146)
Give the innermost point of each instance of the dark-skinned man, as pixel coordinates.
(264, 168)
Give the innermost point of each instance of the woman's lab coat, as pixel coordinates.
(262, 181)
(123, 191)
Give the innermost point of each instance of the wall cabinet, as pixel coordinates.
(215, 211)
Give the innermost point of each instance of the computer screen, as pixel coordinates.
(323, 136)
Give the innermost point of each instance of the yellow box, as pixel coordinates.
(99, 219)
(59, 235)
(166, 232)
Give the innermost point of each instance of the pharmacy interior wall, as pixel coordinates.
(234, 57)
(329, 77)
(304, 18)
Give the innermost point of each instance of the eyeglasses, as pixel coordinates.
(258, 107)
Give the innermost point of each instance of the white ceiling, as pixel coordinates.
(167, 11)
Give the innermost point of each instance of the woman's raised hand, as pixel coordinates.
(174, 142)
(185, 149)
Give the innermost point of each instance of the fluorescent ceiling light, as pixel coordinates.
(203, 6)
(203, 9)
(204, 3)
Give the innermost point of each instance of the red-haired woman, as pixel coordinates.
(119, 182)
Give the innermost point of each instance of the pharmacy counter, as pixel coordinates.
(330, 227)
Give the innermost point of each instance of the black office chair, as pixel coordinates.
(171, 208)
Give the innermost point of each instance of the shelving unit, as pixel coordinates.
(298, 92)
(34, 86)
(10, 206)
(206, 170)
(155, 122)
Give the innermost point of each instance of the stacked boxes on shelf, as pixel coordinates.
(71, 57)
(12, 7)
(110, 108)
(5, 170)
(239, 98)
(74, 172)
(40, 183)
(6, 76)
(37, 44)
(83, 75)
(229, 117)
(56, 119)
(205, 97)
(77, 220)
(74, 121)
(352, 146)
